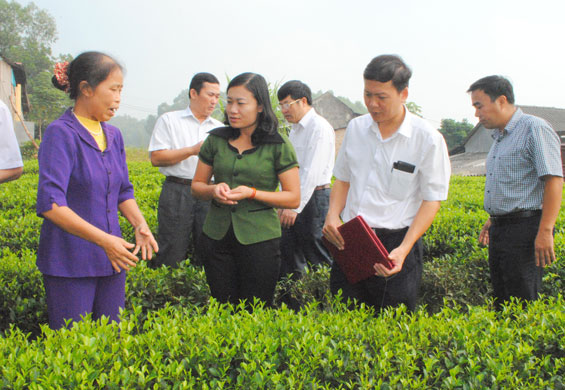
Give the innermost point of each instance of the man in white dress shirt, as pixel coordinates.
(313, 139)
(174, 147)
(11, 165)
(393, 169)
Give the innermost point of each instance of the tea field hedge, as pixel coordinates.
(173, 337)
(221, 347)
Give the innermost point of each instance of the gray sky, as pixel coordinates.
(447, 43)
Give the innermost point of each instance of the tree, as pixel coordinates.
(454, 132)
(133, 130)
(47, 102)
(26, 36)
(179, 103)
(414, 108)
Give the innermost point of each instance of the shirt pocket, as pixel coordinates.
(401, 184)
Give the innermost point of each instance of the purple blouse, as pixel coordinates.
(74, 172)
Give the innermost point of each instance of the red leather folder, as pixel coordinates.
(362, 250)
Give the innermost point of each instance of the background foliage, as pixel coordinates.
(455, 132)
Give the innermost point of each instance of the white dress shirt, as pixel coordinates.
(10, 156)
(313, 139)
(386, 197)
(179, 129)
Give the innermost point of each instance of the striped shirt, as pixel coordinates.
(523, 152)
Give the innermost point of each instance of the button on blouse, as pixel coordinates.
(74, 172)
(259, 167)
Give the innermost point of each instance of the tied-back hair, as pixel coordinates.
(493, 87)
(387, 67)
(92, 67)
(267, 122)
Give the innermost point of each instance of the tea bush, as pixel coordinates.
(221, 347)
(455, 265)
(172, 337)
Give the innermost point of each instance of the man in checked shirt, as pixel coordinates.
(524, 183)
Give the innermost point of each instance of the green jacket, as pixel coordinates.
(259, 167)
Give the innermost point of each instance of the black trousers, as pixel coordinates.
(180, 218)
(512, 260)
(236, 272)
(379, 292)
(302, 244)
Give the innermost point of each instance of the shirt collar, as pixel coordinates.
(510, 126)
(228, 132)
(188, 113)
(405, 128)
(73, 121)
(303, 123)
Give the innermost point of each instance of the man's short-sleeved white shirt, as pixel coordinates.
(179, 129)
(10, 156)
(386, 197)
(313, 139)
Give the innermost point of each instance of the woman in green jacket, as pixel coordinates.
(248, 159)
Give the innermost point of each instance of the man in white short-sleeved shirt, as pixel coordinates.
(11, 165)
(313, 139)
(392, 169)
(174, 147)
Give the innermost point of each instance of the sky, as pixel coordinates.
(325, 43)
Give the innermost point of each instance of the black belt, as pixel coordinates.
(515, 217)
(179, 180)
(383, 231)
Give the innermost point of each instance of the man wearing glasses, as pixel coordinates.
(174, 148)
(314, 141)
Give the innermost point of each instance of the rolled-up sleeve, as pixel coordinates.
(56, 157)
(126, 188)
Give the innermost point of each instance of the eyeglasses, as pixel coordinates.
(286, 106)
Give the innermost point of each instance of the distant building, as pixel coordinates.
(468, 159)
(336, 112)
(13, 93)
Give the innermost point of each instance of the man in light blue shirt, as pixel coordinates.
(524, 183)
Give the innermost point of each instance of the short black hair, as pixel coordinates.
(296, 89)
(199, 79)
(267, 122)
(494, 86)
(91, 66)
(387, 67)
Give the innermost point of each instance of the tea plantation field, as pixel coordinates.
(174, 336)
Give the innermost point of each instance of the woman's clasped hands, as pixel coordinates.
(225, 195)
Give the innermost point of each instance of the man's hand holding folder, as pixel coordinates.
(359, 252)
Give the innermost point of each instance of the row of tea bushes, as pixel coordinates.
(22, 297)
(455, 265)
(220, 347)
(20, 226)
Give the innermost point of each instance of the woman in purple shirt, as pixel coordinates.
(83, 182)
